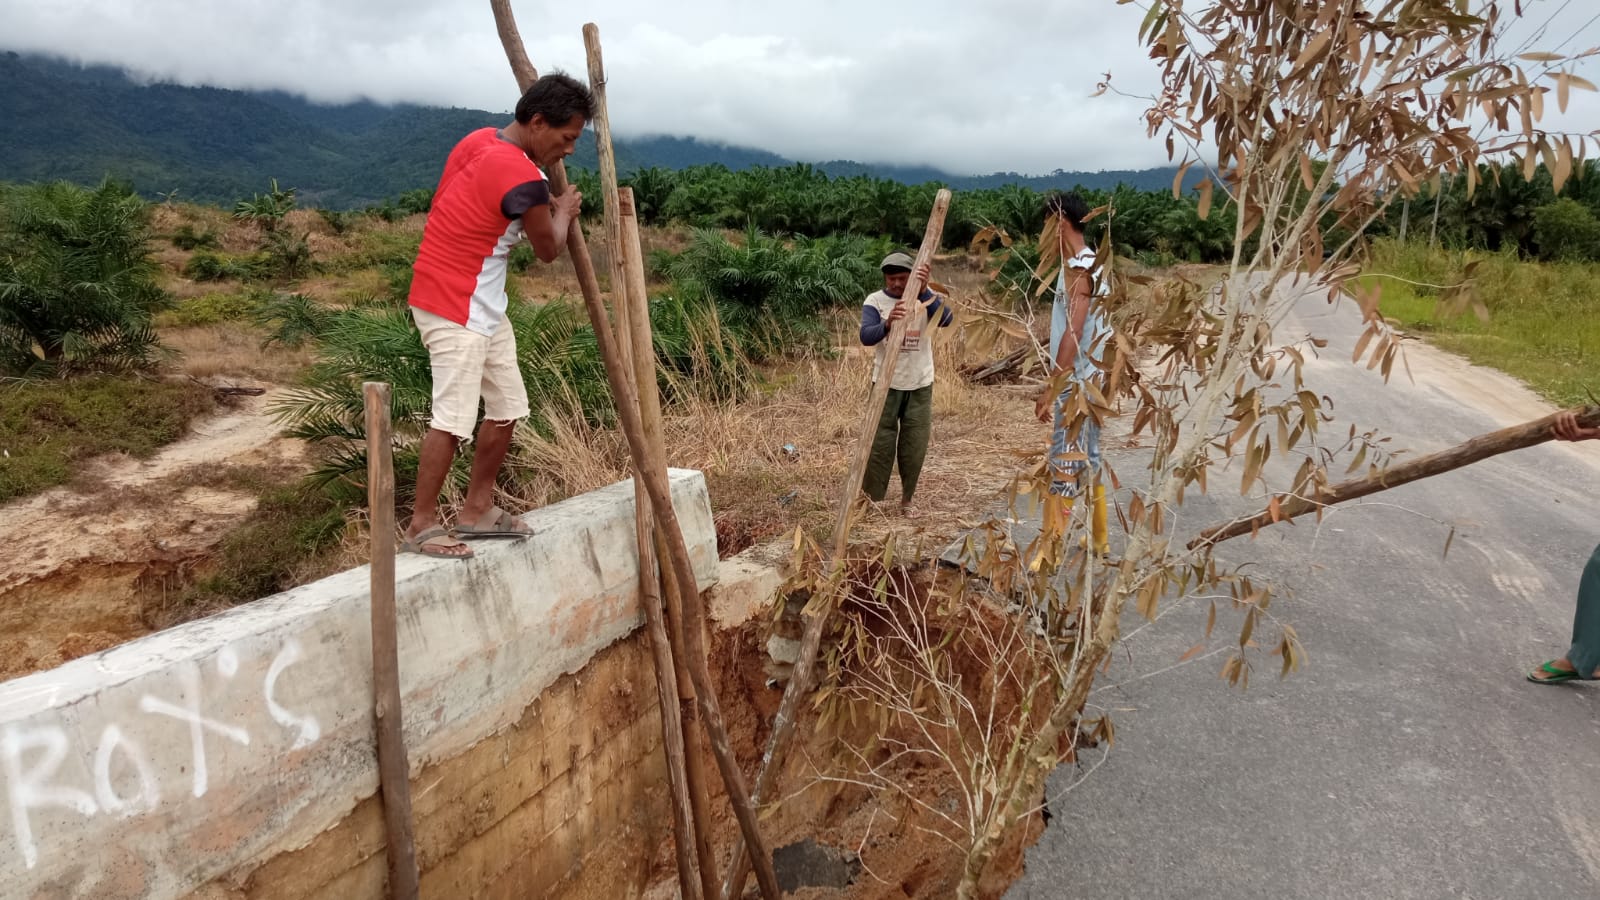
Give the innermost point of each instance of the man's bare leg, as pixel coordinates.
(494, 439)
(433, 466)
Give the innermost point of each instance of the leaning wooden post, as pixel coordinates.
(816, 612)
(644, 366)
(1285, 507)
(394, 769)
(650, 460)
(653, 468)
(668, 671)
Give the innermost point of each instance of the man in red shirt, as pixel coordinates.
(493, 194)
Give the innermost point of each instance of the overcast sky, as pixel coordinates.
(970, 86)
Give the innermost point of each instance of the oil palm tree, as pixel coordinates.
(77, 283)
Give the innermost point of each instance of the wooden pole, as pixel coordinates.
(652, 454)
(644, 364)
(1433, 231)
(1479, 448)
(816, 612)
(667, 671)
(653, 469)
(394, 769)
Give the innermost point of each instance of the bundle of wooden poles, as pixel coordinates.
(675, 615)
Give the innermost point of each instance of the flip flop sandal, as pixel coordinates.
(435, 542)
(505, 525)
(1554, 675)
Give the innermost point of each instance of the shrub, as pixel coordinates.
(387, 247)
(287, 256)
(212, 308)
(259, 558)
(266, 210)
(521, 258)
(209, 266)
(398, 276)
(417, 201)
(772, 291)
(386, 211)
(338, 221)
(1566, 230)
(187, 238)
(291, 319)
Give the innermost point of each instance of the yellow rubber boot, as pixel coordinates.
(1102, 538)
(1097, 525)
(1057, 515)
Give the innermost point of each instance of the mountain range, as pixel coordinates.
(64, 121)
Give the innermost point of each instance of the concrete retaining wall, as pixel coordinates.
(151, 769)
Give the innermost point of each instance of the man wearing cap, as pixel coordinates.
(907, 420)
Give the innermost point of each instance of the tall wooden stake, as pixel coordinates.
(644, 365)
(625, 310)
(653, 468)
(817, 611)
(1438, 197)
(1479, 448)
(394, 770)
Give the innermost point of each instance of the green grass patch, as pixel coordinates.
(46, 427)
(289, 527)
(376, 248)
(211, 309)
(1543, 318)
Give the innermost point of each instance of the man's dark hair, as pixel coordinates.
(556, 98)
(1068, 204)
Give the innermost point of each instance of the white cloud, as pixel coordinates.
(969, 87)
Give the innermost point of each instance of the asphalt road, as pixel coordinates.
(1409, 758)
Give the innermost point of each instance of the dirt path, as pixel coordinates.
(79, 564)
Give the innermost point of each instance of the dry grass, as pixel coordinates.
(548, 281)
(760, 491)
(326, 245)
(232, 350)
(165, 218)
(344, 289)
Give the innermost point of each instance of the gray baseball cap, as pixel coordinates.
(897, 261)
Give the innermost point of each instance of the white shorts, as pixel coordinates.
(468, 366)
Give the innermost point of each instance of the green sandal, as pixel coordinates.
(1555, 675)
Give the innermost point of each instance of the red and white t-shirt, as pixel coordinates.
(476, 219)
